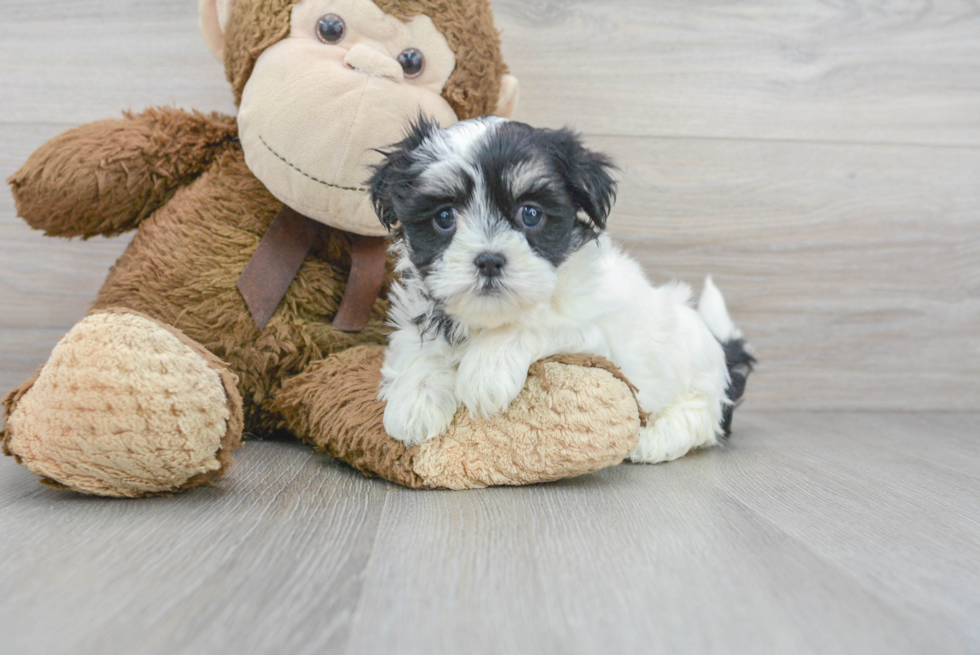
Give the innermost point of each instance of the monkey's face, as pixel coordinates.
(347, 81)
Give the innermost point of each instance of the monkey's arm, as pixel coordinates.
(104, 178)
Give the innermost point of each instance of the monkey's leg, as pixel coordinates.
(125, 407)
(574, 416)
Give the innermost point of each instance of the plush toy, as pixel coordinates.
(252, 297)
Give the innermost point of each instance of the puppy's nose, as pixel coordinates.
(491, 264)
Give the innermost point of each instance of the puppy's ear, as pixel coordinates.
(383, 184)
(393, 176)
(588, 175)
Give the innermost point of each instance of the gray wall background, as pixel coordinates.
(822, 160)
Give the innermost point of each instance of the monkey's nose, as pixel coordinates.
(490, 264)
(367, 60)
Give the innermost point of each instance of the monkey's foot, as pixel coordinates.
(576, 415)
(125, 407)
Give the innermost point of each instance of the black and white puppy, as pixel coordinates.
(502, 262)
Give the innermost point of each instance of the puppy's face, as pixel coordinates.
(488, 210)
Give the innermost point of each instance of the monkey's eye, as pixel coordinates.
(445, 220)
(530, 217)
(412, 61)
(331, 29)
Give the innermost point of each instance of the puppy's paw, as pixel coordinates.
(487, 388)
(417, 413)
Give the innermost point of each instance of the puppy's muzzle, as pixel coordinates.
(490, 264)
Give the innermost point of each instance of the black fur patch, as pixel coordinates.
(575, 181)
(740, 364)
(437, 322)
(394, 176)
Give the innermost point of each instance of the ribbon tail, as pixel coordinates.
(275, 263)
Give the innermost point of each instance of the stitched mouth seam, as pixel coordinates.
(304, 173)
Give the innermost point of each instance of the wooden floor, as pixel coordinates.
(809, 533)
(821, 159)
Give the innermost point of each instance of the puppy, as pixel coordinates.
(502, 262)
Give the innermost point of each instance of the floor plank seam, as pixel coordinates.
(920, 618)
(783, 141)
(265, 503)
(359, 605)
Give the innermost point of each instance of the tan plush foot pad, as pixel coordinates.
(125, 407)
(576, 415)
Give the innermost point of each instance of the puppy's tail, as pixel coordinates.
(738, 354)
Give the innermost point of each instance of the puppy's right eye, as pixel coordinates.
(530, 217)
(445, 220)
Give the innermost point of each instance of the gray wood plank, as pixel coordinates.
(115, 55)
(270, 561)
(895, 72)
(743, 549)
(891, 501)
(854, 270)
(808, 533)
(900, 72)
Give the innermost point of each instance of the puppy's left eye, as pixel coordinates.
(445, 220)
(530, 217)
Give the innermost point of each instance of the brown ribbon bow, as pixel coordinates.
(281, 253)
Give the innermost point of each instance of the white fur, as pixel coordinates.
(599, 302)
(714, 311)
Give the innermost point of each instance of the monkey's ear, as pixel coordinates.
(510, 93)
(214, 15)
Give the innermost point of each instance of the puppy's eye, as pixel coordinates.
(530, 217)
(331, 29)
(412, 61)
(445, 220)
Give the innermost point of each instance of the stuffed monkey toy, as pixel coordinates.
(251, 300)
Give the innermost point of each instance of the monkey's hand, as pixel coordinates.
(104, 178)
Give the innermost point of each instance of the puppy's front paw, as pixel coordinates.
(417, 413)
(488, 388)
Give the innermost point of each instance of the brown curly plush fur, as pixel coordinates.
(334, 406)
(174, 275)
(181, 179)
(116, 172)
(126, 406)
